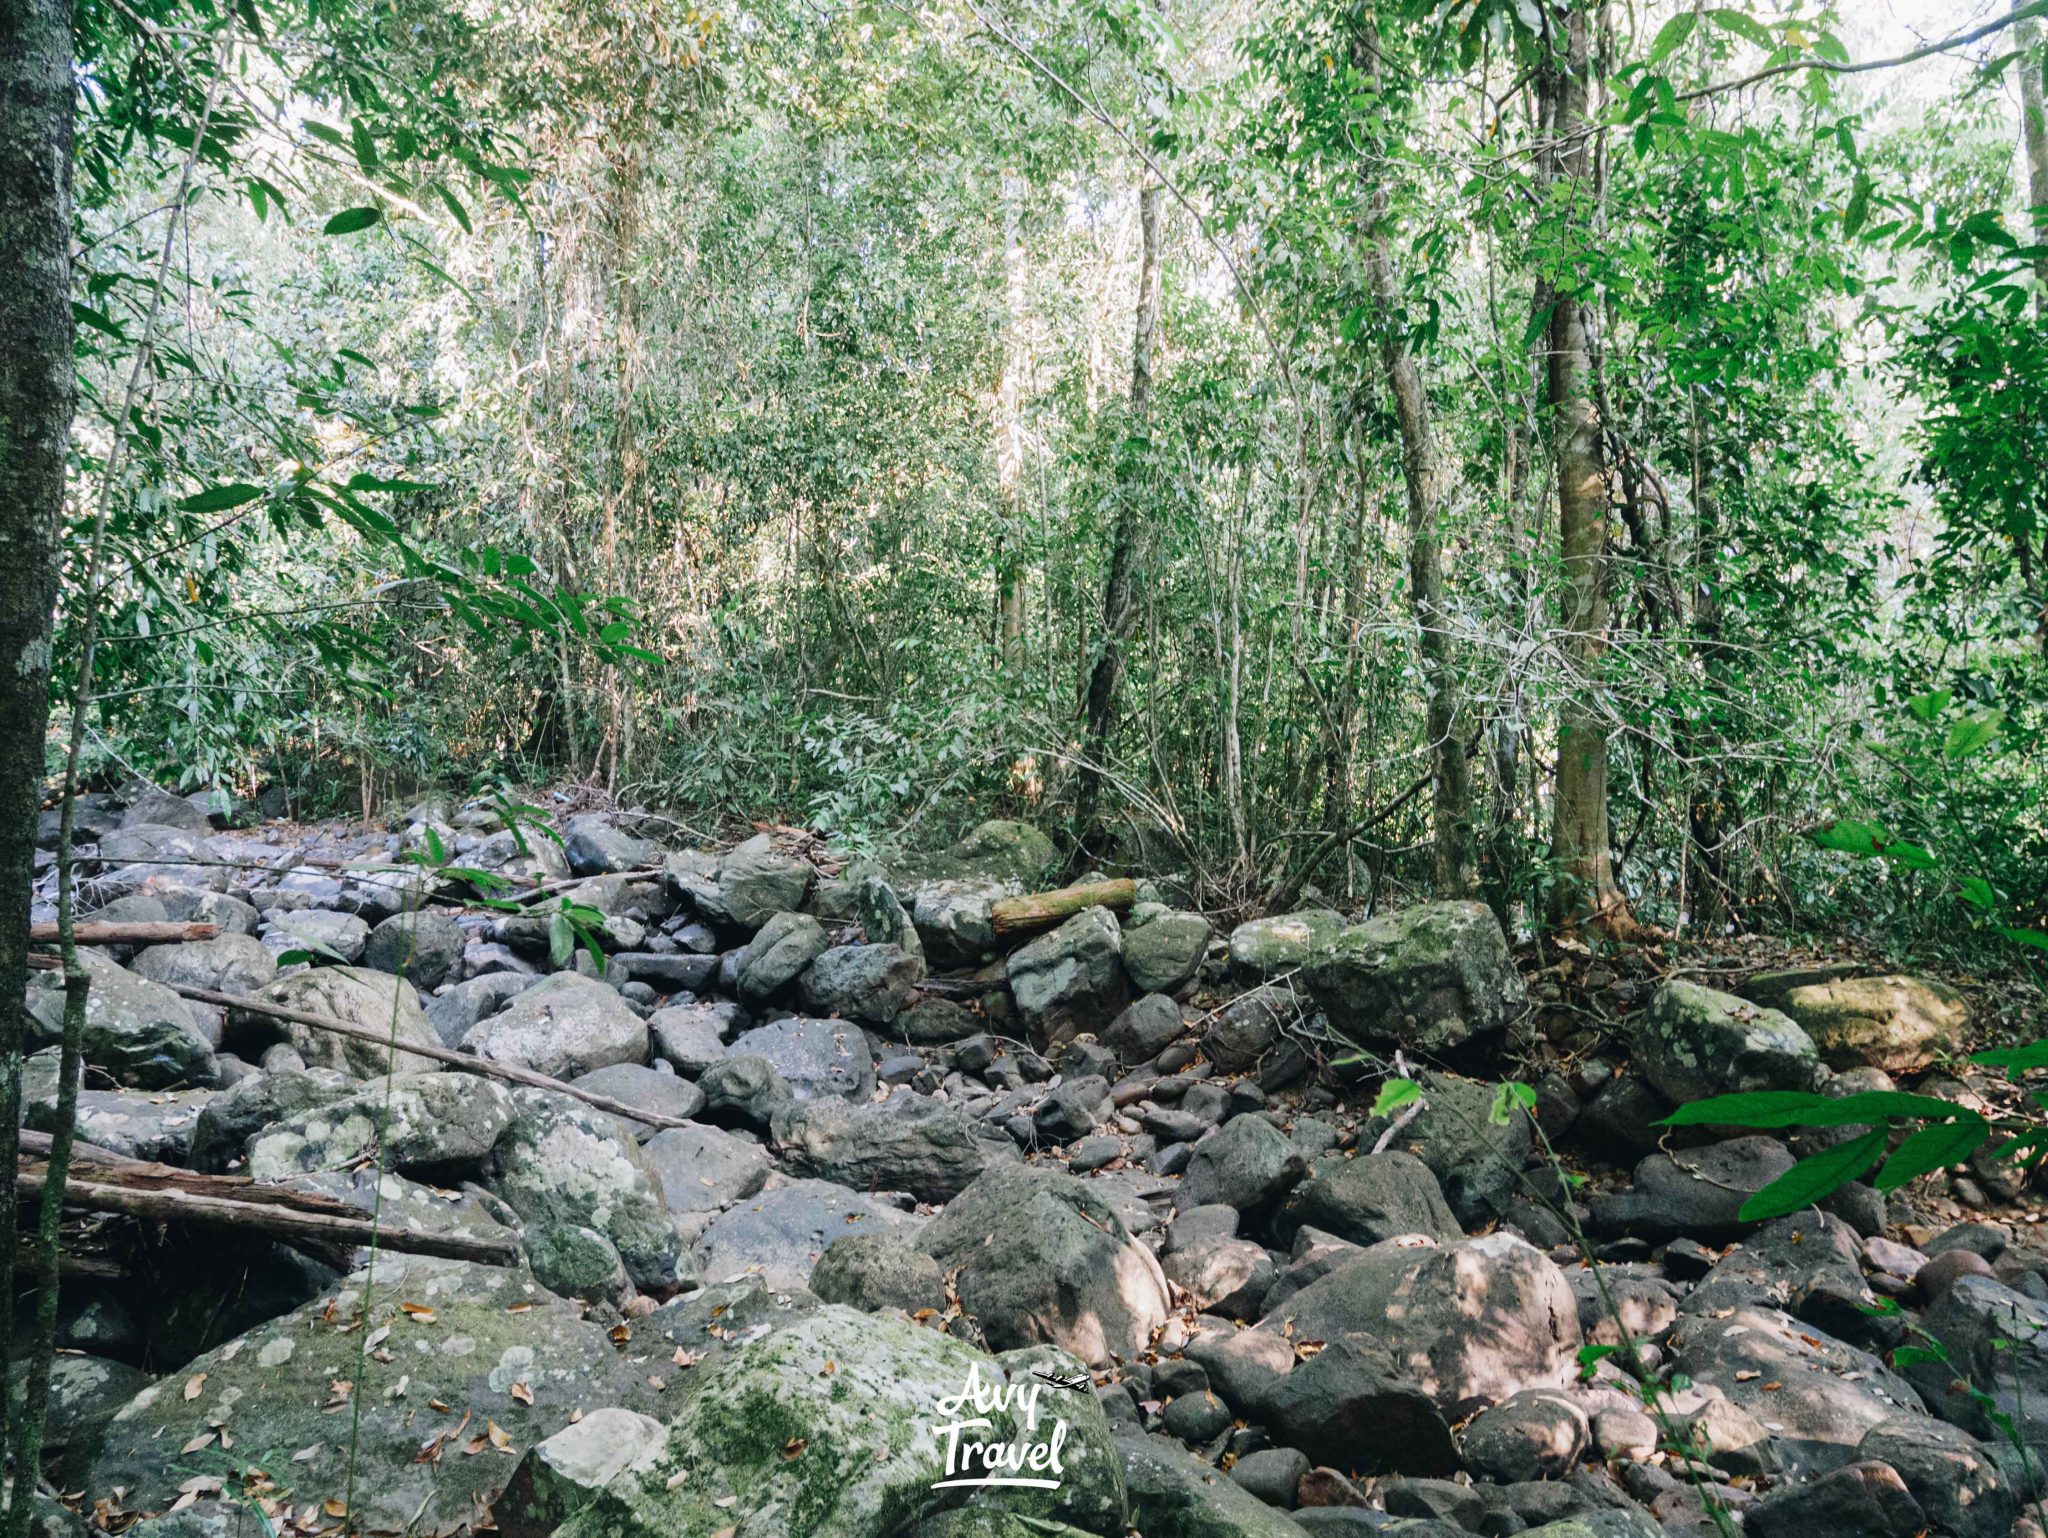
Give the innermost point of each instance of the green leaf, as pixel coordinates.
(1910, 855)
(218, 499)
(455, 208)
(364, 146)
(1791, 1108)
(349, 220)
(1933, 1148)
(1931, 704)
(1810, 1180)
(1978, 893)
(1591, 1357)
(561, 939)
(367, 482)
(1971, 735)
(1510, 1098)
(1744, 26)
(1859, 206)
(1671, 37)
(1849, 836)
(86, 315)
(2015, 1060)
(1396, 1095)
(2032, 938)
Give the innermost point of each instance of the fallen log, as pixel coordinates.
(275, 1210)
(140, 932)
(1013, 916)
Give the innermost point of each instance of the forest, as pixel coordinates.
(1294, 754)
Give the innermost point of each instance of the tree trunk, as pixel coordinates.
(1009, 437)
(2034, 137)
(35, 429)
(1126, 556)
(1457, 863)
(1581, 841)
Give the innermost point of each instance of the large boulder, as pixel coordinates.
(325, 935)
(1263, 948)
(1693, 1042)
(1476, 1159)
(563, 1026)
(376, 1002)
(1994, 1360)
(1468, 1322)
(862, 982)
(562, 1165)
(1371, 1197)
(909, 1143)
(754, 883)
(255, 1103)
(952, 918)
(816, 1059)
(225, 964)
(1174, 1494)
(779, 1233)
(1429, 978)
(595, 846)
(1070, 981)
(1898, 1024)
(1041, 1256)
(1247, 1163)
(483, 1341)
(1351, 1406)
(424, 947)
(1249, 1026)
(138, 1031)
(443, 1124)
(692, 1036)
(1695, 1193)
(780, 950)
(877, 1271)
(1145, 1029)
(997, 850)
(1165, 950)
(704, 1170)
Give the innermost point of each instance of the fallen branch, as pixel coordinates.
(1013, 916)
(137, 933)
(276, 1210)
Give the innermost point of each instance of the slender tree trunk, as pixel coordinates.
(1457, 864)
(1711, 809)
(1009, 436)
(35, 428)
(2034, 138)
(1582, 843)
(1126, 556)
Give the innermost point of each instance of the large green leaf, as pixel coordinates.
(1851, 837)
(1671, 36)
(1972, 734)
(349, 220)
(1933, 1148)
(1811, 1180)
(218, 499)
(1790, 1108)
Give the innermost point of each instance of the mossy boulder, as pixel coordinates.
(377, 1002)
(137, 1030)
(1899, 1024)
(1428, 978)
(1262, 948)
(441, 1122)
(1693, 1042)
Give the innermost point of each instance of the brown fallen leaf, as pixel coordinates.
(500, 1437)
(725, 1501)
(794, 1448)
(726, 1532)
(522, 1393)
(418, 1312)
(194, 1384)
(333, 1507)
(204, 1439)
(519, 1308)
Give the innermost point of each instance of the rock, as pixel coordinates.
(454, 1012)
(952, 918)
(861, 982)
(1225, 1276)
(1243, 1365)
(1247, 1163)
(1696, 1192)
(1620, 1432)
(1952, 1476)
(327, 935)
(1264, 948)
(225, 964)
(743, 1091)
(153, 808)
(561, 1164)
(703, 1170)
(1868, 1499)
(1272, 1474)
(1041, 1257)
(871, 1272)
(1898, 1024)
(560, 1476)
(1946, 1269)
(998, 850)
(1196, 1418)
(1824, 1396)
(1165, 950)
(572, 1261)
(594, 847)
(1439, 1500)
(1468, 1322)
(370, 1001)
(424, 947)
(1371, 1197)
(466, 1351)
(84, 1393)
(778, 953)
(1176, 1495)
(403, 1205)
(262, 1100)
(440, 1123)
(1537, 1434)
(754, 882)
(692, 1036)
(1070, 982)
(933, 1022)
(1073, 1109)
(1351, 1405)
(156, 1125)
(1476, 1160)
(148, 857)
(1248, 1027)
(908, 1143)
(883, 918)
(648, 1089)
(779, 1234)
(1693, 1042)
(563, 1026)
(663, 972)
(140, 1032)
(1144, 1029)
(1428, 978)
(816, 1059)
(1995, 1341)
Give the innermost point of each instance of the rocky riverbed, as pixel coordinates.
(1113, 1199)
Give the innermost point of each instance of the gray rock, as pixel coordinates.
(1868, 1499)
(1272, 1474)
(1221, 1275)
(1247, 1163)
(1951, 1475)
(664, 1094)
(997, 850)
(755, 882)
(908, 1143)
(560, 1476)
(454, 1012)
(692, 1036)
(883, 918)
(664, 972)
(816, 1058)
(561, 1164)
(743, 1090)
(1041, 1257)
(328, 936)
(1536, 1434)
(1165, 951)
(371, 1001)
(704, 1170)
(1176, 1495)
(157, 1125)
(154, 808)
(467, 1352)
(778, 954)
(1421, 1303)
(1694, 1193)
(1349, 1404)
(1073, 1109)
(1371, 1197)
(1995, 1340)
(1248, 1027)
(1693, 1042)
(1429, 978)
(225, 964)
(933, 1022)
(952, 918)
(84, 1393)
(423, 946)
(1070, 982)
(136, 1030)
(443, 1123)
(862, 982)
(1476, 1160)
(229, 1120)
(593, 846)
(1264, 948)
(779, 1233)
(150, 857)
(1145, 1029)
(1898, 1023)
(562, 1026)
(871, 1272)
(572, 1261)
